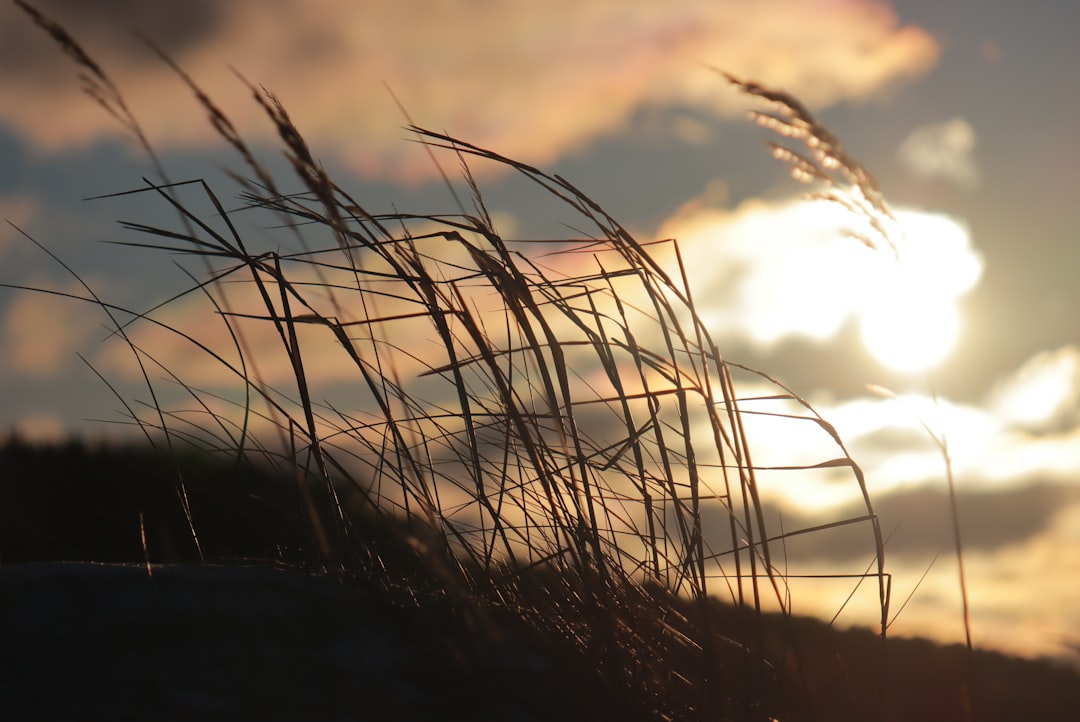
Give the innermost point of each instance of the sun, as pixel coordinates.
(909, 333)
(910, 315)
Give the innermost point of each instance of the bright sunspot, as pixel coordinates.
(910, 320)
(774, 271)
(909, 333)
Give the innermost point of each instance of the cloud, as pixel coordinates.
(1016, 543)
(1043, 395)
(1022, 597)
(1018, 503)
(917, 519)
(988, 446)
(191, 326)
(533, 81)
(1012, 477)
(769, 271)
(41, 428)
(943, 151)
(41, 333)
(15, 212)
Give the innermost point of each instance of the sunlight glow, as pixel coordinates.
(910, 320)
(909, 332)
(771, 271)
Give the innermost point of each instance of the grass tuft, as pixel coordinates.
(536, 429)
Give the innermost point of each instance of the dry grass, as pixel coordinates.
(556, 448)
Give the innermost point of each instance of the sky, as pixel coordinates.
(963, 112)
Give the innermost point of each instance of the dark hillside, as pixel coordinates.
(71, 503)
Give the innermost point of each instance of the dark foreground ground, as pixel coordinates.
(256, 629)
(109, 642)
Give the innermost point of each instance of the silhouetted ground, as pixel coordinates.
(257, 628)
(107, 642)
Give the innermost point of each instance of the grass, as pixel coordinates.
(542, 432)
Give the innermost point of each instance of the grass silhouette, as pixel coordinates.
(536, 433)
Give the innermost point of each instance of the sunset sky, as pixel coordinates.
(964, 111)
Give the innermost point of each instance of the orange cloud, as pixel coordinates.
(186, 324)
(15, 211)
(534, 81)
(41, 428)
(41, 333)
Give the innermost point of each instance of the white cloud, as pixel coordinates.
(945, 151)
(1043, 395)
(769, 271)
(1020, 598)
(986, 446)
(992, 445)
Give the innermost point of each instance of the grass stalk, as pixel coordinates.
(564, 447)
